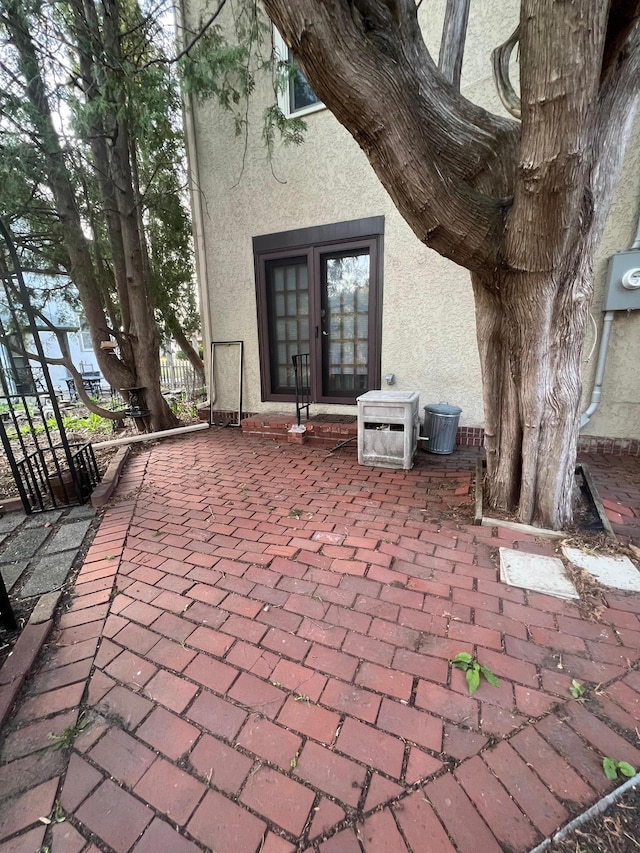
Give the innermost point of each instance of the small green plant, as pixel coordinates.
(183, 409)
(67, 736)
(473, 670)
(294, 761)
(92, 422)
(612, 767)
(577, 690)
(295, 513)
(57, 815)
(27, 429)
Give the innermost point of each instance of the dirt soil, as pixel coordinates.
(616, 830)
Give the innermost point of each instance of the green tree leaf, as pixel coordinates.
(473, 680)
(461, 660)
(626, 769)
(489, 676)
(610, 767)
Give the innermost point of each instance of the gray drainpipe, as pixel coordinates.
(585, 417)
(596, 395)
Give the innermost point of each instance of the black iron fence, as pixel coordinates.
(46, 482)
(303, 383)
(49, 471)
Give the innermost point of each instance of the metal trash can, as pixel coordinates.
(440, 425)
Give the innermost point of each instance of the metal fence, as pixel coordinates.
(303, 383)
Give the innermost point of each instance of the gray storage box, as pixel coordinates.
(388, 424)
(440, 426)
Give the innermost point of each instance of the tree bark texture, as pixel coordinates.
(520, 205)
(454, 33)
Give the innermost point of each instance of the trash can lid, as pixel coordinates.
(442, 409)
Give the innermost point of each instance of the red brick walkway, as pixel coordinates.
(269, 670)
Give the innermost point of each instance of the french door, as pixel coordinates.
(323, 300)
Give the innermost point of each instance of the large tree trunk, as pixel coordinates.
(144, 337)
(530, 333)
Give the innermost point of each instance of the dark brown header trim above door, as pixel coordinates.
(372, 226)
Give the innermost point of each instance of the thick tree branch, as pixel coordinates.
(441, 158)
(65, 361)
(185, 345)
(454, 34)
(500, 61)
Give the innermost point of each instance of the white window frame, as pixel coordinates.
(84, 334)
(284, 98)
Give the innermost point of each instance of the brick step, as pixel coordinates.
(276, 427)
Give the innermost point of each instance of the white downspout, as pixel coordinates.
(195, 195)
(585, 417)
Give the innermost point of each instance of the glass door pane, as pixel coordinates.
(288, 301)
(345, 322)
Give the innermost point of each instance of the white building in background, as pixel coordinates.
(71, 321)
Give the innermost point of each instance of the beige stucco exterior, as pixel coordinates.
(428, 323)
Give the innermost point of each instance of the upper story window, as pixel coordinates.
(298, 98)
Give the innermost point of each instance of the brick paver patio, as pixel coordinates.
(255, 658)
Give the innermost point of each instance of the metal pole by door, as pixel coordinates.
(212, 394)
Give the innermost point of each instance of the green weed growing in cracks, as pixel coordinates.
(612, 767)
(473, 671)
(577, 690)
(67, 736)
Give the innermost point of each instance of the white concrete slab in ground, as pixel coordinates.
(617, 572)
(536, 573)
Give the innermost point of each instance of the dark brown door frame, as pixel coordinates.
(312, 243)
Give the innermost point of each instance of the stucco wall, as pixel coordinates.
(428, 326)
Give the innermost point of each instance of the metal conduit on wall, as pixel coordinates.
(596, 394)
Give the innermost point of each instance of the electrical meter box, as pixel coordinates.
(388, 424)
(623, 281)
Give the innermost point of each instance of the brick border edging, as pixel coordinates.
(18, 665)
(102, 492)
(11, 505)
(34, 635)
